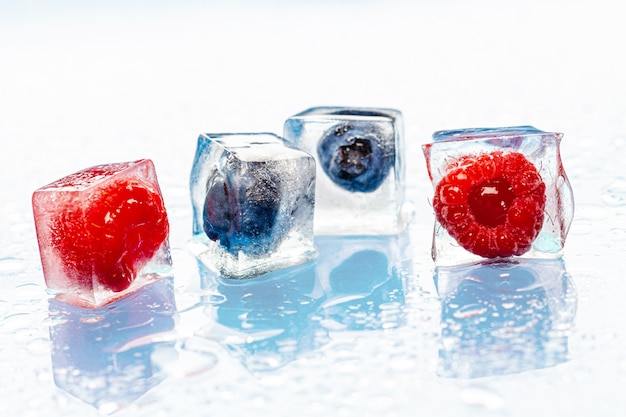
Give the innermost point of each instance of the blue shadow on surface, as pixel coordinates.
(355, 284)
(103, 356)
(501, 318)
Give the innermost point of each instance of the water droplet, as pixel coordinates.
(482, 397)
(182, 364)
(199, 345)
(332, 325)
(38, 346)
(266, 361)
(17, 321)
(91, 319)
(30, 291)
(11, 266)
(24, 334)
(615, 194)
(618, 234)
(213, 299)
(469, 311)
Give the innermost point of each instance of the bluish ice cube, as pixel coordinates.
(360, 173)
(253, 201)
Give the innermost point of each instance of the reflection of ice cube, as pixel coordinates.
(362, 278)
(354, 285)
(360, 172)
(538, 147)
(103, 356)
(102, 232)
(253, 202)
(267, 322)
(504, 317)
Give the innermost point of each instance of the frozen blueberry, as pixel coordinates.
(218, 213)
(245, 221)
(360, 174)
(352, 155)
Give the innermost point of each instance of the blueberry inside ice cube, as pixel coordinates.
(353, 157)
(218, 213)
(244, 221)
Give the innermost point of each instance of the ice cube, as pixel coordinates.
(360, 173)
(501, 317)
(253, 200)
(498, 192)
(102, 232)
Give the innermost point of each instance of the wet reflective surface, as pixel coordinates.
(104, 356)
(269, 322)
(370, 327)
(503, 318)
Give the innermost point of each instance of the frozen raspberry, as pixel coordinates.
(492, 204)
(112, 238)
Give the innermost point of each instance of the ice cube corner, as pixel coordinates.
(253, 200)
(102, 232)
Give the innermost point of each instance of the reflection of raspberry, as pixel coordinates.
(492, 203)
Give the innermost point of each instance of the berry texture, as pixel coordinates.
(492, 204)
(353, 157)
(241, 212)
(113, 236)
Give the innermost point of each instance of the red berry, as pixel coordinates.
(492, 204)
(113, 237)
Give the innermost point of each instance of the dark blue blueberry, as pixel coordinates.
(354, 156)
(219, 211)
(243, 217)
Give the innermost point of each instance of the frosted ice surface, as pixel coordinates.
(253, 200)
(102, 232)
(452, 161)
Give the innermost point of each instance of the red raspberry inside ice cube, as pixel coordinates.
(492, 204)
(114, 237)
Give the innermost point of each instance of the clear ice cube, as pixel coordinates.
(498, 192)
(360, 172)
(102, 232)
(253, 200)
